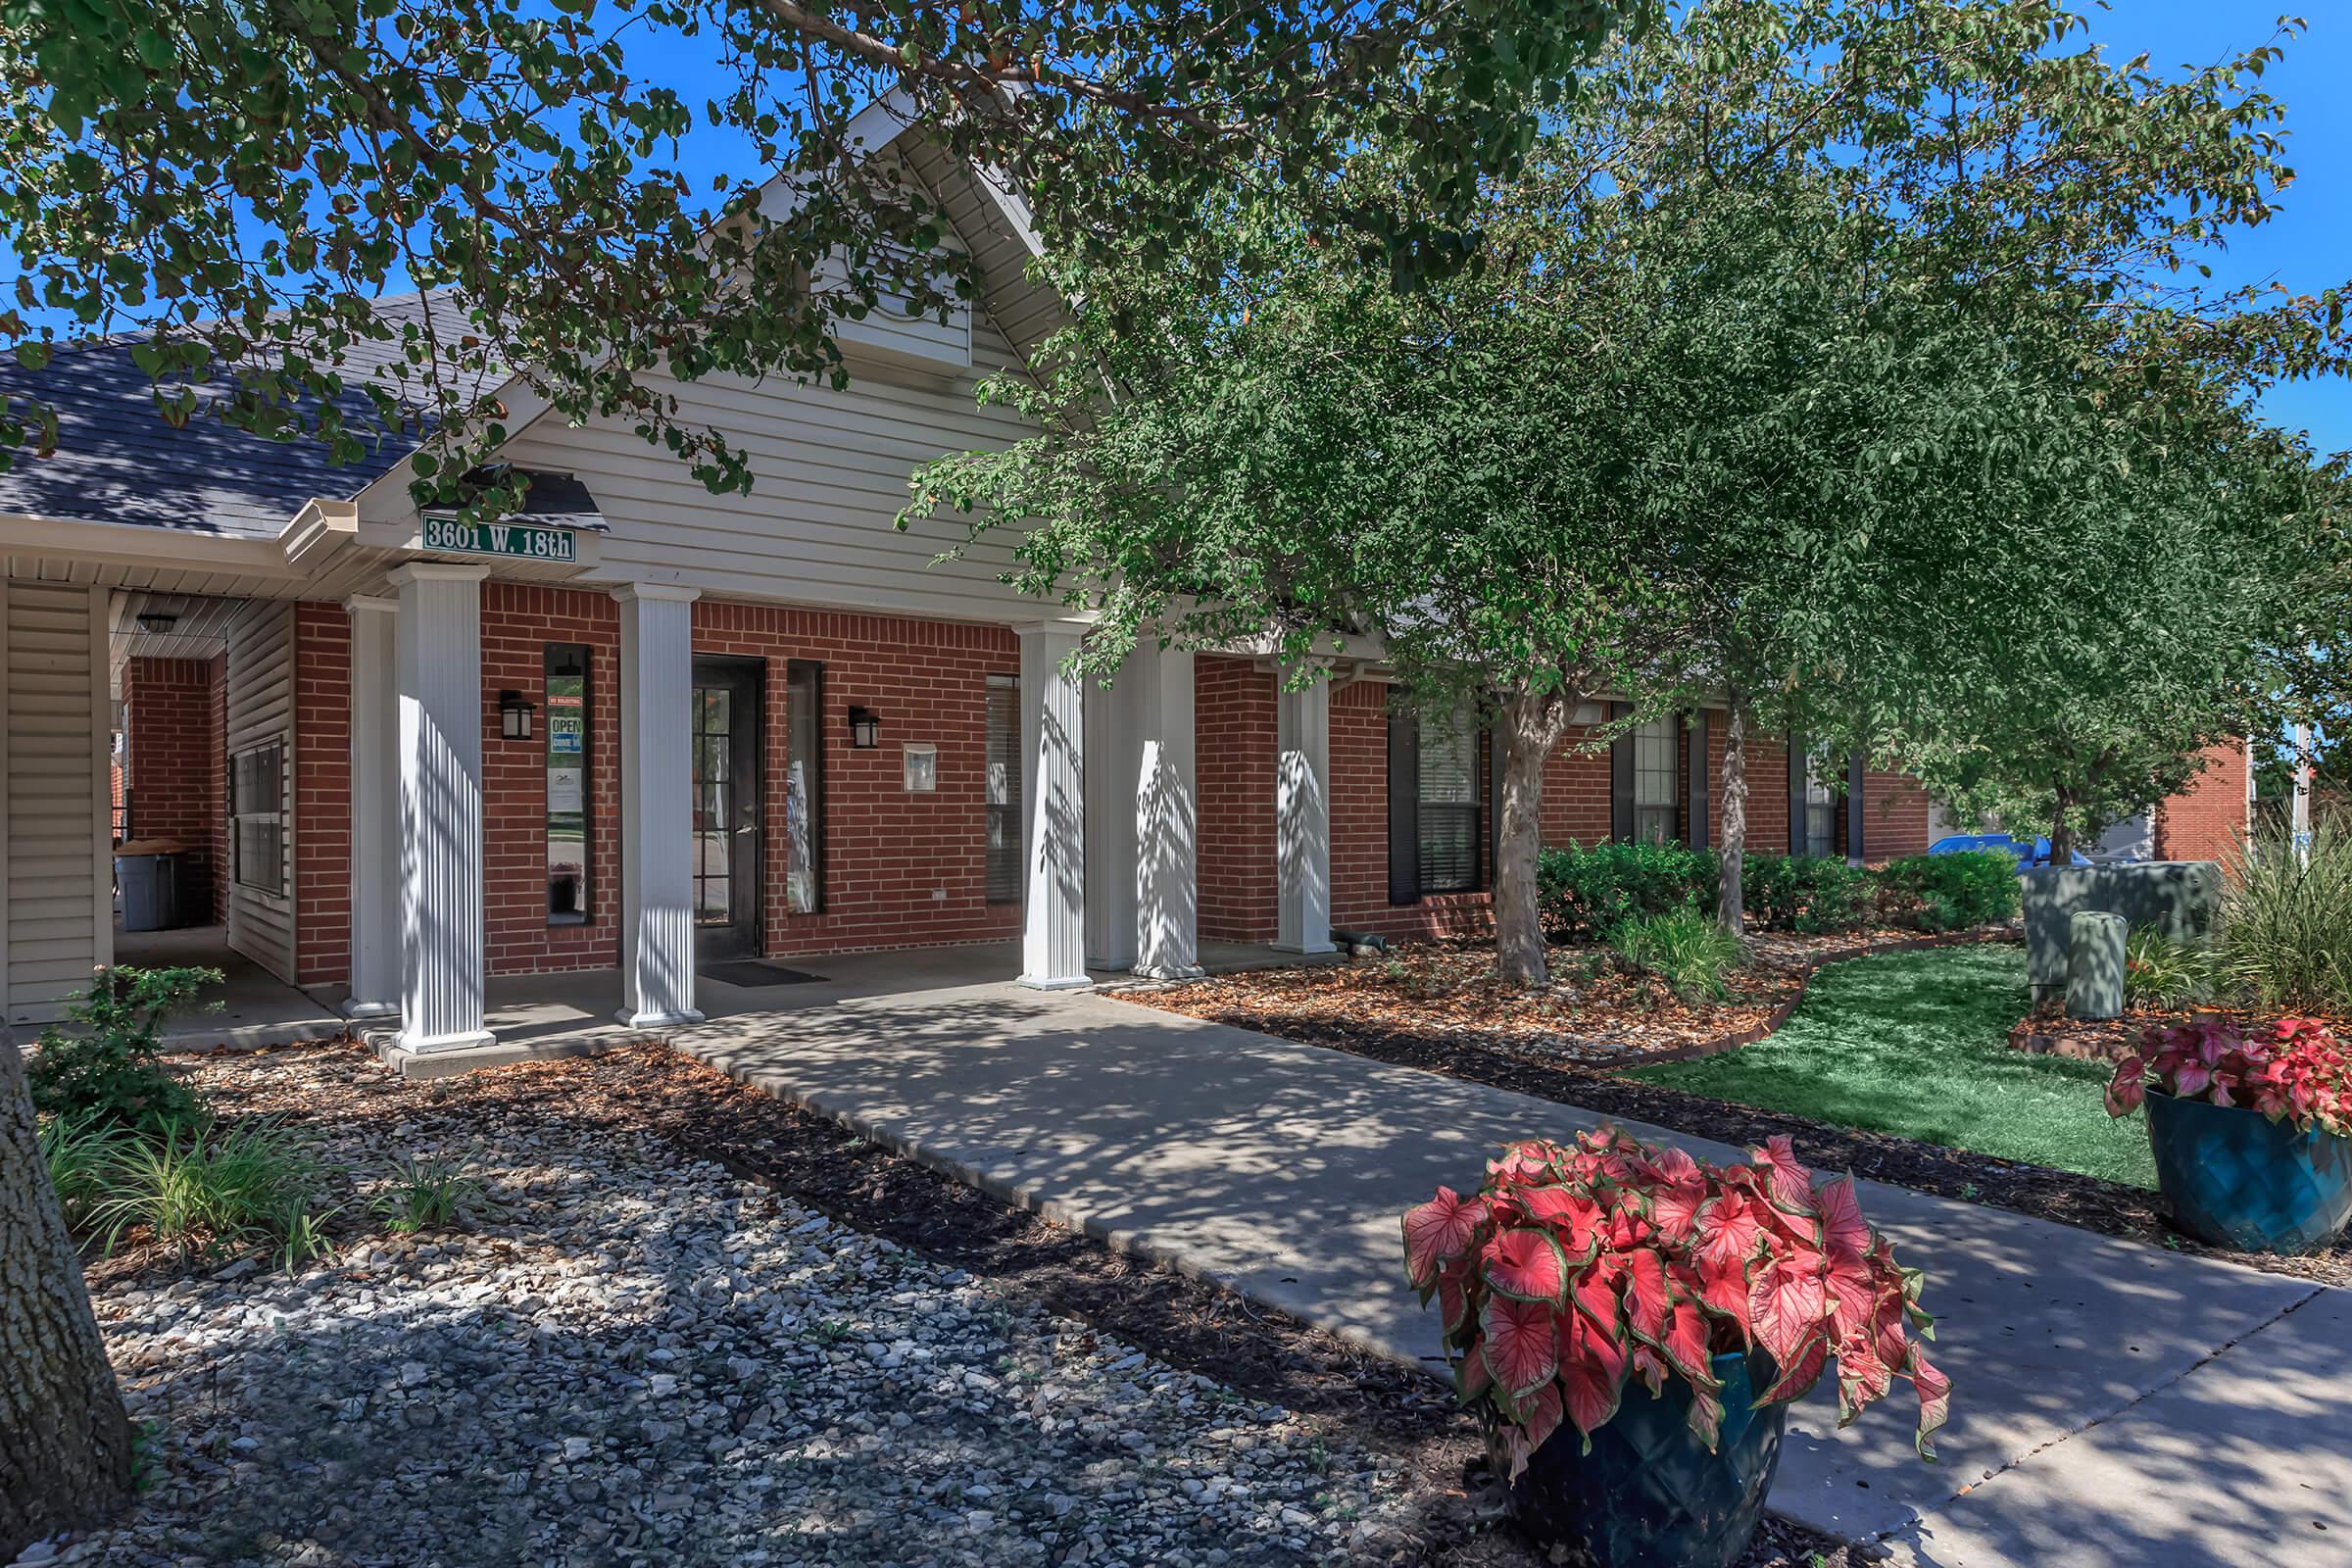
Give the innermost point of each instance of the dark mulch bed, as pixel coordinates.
(2056, 1195)
(1185, 1322)
(2048, 1031)
(1598, 1013)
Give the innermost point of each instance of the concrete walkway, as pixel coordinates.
(2113, 1403)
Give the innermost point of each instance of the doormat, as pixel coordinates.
(752, 974)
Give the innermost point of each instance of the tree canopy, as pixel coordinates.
(244, 181)
(1827, 354)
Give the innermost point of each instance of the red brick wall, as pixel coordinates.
(1234, 730)
(2208, 818)
(175, 769)
(1767, 788)
(321, 794)
(901, 869)
(519, 621)
(1894, 815)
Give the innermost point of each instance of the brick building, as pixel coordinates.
(643, 728)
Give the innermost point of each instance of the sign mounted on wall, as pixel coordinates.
(528, 541)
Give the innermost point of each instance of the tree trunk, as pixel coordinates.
(1532, 727)
(2062, 832)
(65, 1442)
(1730, 910)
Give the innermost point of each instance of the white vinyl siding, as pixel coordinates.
(54, 796)
(829, 465)
(829, 476)
(260, 712)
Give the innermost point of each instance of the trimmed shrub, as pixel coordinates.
(1808, 894)
(1588, 892)
(1949, 892)
(2287, 922)
(103, 1068)
(1684, 947)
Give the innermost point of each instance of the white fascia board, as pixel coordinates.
(136, 544)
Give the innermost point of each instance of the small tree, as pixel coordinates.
(1296, 447)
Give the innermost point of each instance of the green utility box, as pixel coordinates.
(2179, 898)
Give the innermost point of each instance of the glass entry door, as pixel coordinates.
(728, 824)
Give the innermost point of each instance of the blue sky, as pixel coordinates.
(2308, 247)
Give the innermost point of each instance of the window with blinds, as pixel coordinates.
(1452, 815)
(1656, 781)
(1004, 785)
(1821, 808)
(257, 797)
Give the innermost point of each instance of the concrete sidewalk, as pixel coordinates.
(2113, 1403)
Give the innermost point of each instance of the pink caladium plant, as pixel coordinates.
(1578, 1267)
(2293, 1071)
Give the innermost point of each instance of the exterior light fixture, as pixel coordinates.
(865, 728)
(158, 623)
(514, 717)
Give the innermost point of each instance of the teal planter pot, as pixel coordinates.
(1650, 1494)
(2234, 1178)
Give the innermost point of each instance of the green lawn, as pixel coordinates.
(1914, 1043)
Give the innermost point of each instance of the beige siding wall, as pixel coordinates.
(261, 710)
(831, 475)
(56, 882)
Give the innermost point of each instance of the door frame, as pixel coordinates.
(743, 935)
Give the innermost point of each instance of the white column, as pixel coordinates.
(1168, 902)
(1053, 810)
(1302, 818)
(1113, 752)
(657, 805)
(376, 943)
(437, 654)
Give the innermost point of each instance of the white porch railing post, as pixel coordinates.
(1167, 899)
(1302, 818)
(1053, 810)
(657, 805)
(375, 795)
(438, 656)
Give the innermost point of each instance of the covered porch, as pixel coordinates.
(539, 1015)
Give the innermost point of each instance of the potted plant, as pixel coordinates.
(1667, 1310)
(2252, 1134)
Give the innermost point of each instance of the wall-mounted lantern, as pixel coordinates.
(514, 717)
(865, 728)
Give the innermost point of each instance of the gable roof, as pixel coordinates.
(117, 459)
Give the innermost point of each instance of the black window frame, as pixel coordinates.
(1001, 851)
(578, 662)
(1411, 813)
(805, 730)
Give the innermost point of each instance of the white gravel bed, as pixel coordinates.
(644, 1360)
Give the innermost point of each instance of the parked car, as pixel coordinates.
(2033, 853)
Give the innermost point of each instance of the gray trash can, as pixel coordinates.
(149, 885)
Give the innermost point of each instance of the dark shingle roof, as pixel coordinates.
(117, 460)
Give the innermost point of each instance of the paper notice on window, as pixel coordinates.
(564, 789)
